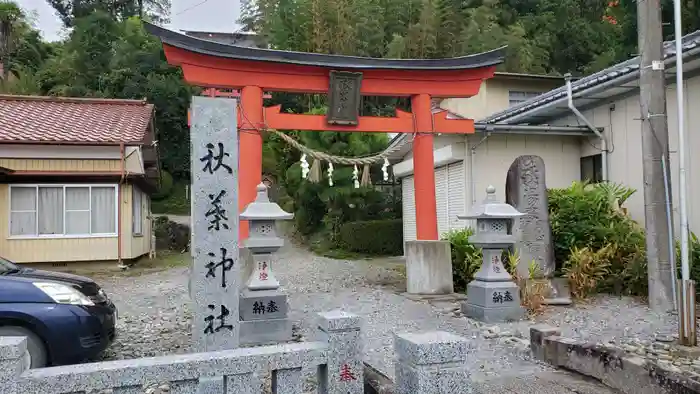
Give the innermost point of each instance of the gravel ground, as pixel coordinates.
(154, 314)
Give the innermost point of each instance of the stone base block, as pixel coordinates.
(429, 267)
(493, 302)
(432, 379)
(265, 332)
(493, 294)
(493, 315)
(263, 305)
(559, 292)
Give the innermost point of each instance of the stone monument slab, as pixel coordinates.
(263, 304)
(526, 190)
(215, 268)
(493, 294)
(265, 332)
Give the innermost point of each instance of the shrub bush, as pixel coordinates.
(375, 237)
(466, 258)
(591, 234)
(171, 235)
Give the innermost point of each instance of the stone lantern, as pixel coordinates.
(493, 296)
(263, 306)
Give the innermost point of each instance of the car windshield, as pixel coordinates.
(7, 267)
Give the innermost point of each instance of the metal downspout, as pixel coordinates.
(122, 170)
(603, 142)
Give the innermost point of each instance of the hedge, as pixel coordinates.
(375, 237)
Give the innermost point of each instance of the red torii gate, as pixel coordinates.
(253, 71)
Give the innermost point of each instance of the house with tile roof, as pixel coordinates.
(545, 125)
(76, 177)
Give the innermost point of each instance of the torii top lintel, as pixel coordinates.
(213, 64)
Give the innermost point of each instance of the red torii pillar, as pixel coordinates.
(250, 149)
(424, 170)
(253, 71)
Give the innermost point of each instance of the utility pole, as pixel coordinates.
(652, 102)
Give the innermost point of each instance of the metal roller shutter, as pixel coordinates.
(409, 209)
(456, 195)
(442, 201)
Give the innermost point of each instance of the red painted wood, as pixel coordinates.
(274, 119)
(210, 71)
(424, 170)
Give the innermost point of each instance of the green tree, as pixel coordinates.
(104, 57)
(70, 10)
(22, 51)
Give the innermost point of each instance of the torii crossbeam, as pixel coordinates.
(345, 79)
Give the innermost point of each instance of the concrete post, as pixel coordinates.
(431, 363)
(429, 267)
(343, 373)
(12, 361)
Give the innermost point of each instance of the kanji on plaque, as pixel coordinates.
(272, 307)
(259, 308)
(214, 159)
(226, 263)
(507, 297)
(216, 213)
(210, 329)
(346, 374)
(497, 297)
(263, 271)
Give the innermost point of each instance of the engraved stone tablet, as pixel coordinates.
(526, 190)
(215, 269)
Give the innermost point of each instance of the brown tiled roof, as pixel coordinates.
(36, 120)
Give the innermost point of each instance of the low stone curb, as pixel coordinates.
(616, 369)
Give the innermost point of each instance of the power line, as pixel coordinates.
(191, 7)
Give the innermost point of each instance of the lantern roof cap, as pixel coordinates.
(491, 208)
(212, 48)
(263, 209)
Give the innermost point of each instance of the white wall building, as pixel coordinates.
(545, 126)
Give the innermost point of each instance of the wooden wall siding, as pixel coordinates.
(74, 249)
(60, 165)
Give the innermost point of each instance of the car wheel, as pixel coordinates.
(36, 356)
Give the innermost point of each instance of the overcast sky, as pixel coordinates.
(207, 15)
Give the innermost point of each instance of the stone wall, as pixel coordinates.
(229, 371)
(628, 373)
(428, 363)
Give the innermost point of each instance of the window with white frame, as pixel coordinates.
(136, 211)
(63, 210)
(517, 97)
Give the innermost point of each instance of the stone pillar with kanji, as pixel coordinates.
(493, 296)
(263, 304)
